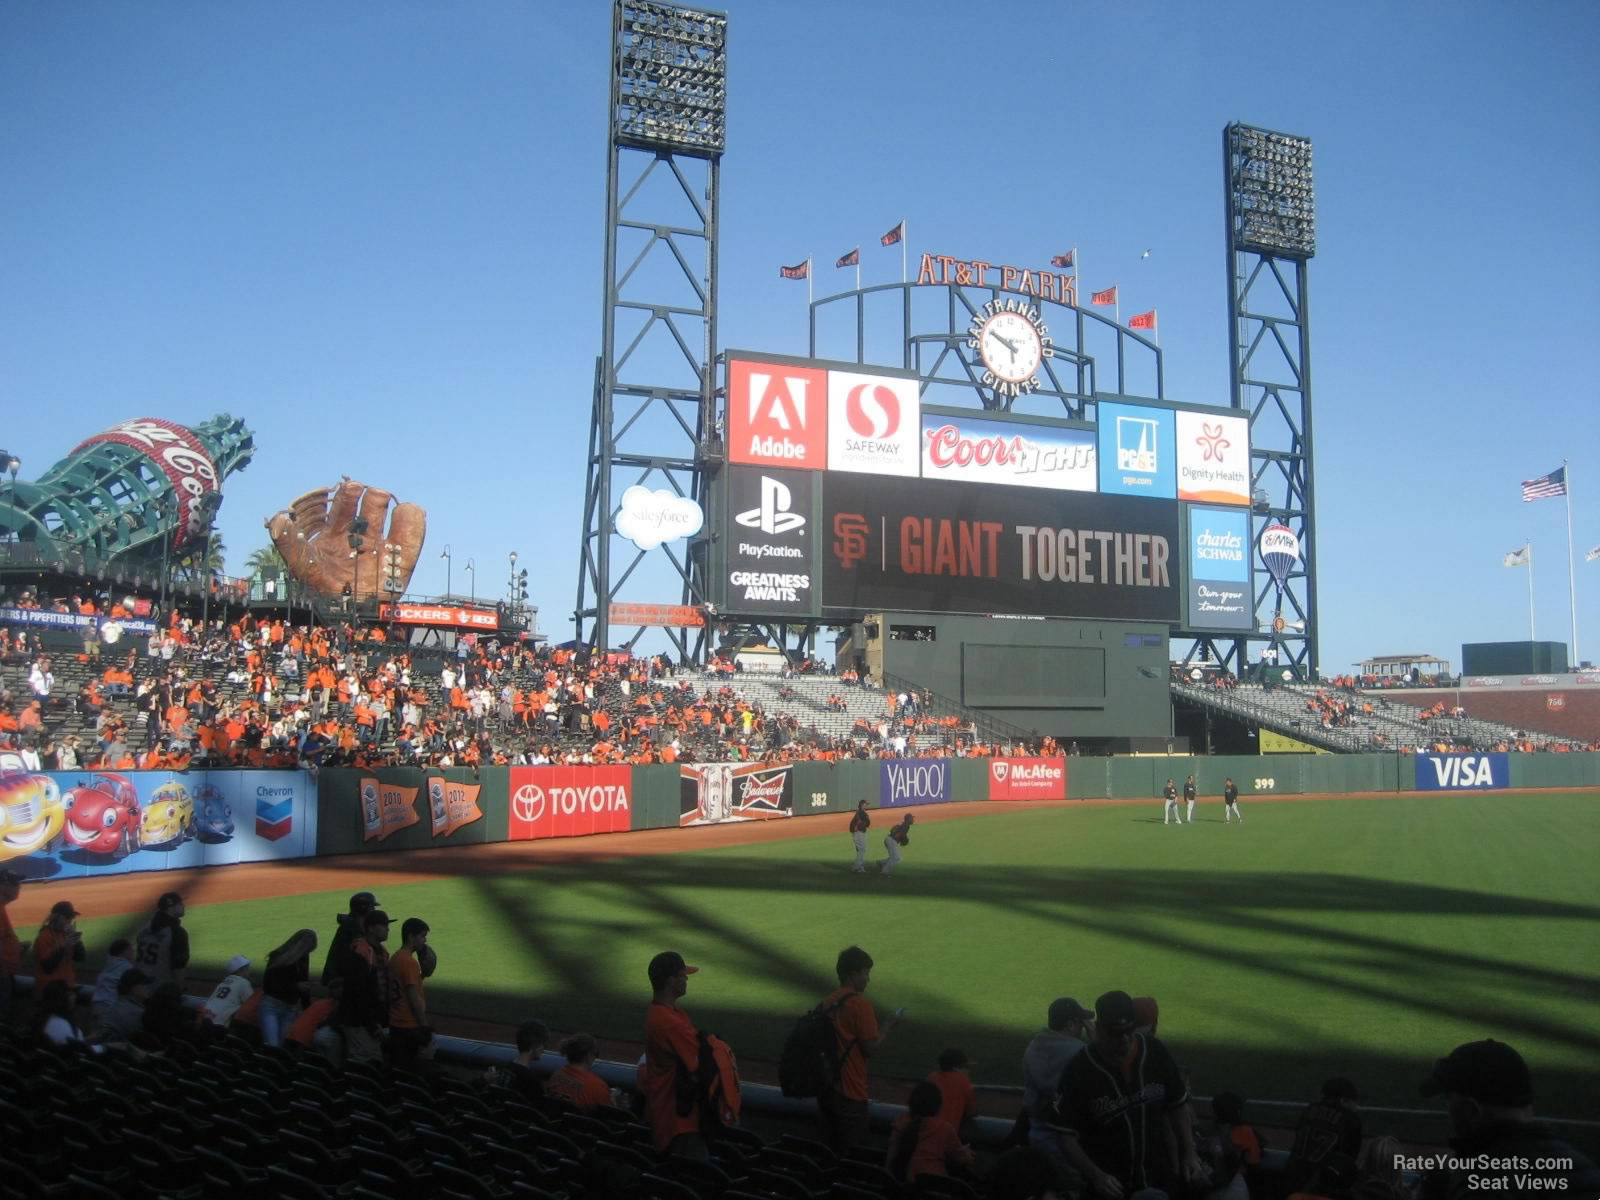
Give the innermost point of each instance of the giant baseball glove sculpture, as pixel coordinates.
(334, 538)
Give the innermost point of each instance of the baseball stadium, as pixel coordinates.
(820, 861)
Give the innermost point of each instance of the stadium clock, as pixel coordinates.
(1011, 342)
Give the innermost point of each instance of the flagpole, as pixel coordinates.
(1077, 274)
(858, 268)
(1531, 637)
(808, 281)
(1572, 586)
(902, 249)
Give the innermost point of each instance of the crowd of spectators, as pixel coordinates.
(258, 691)
(1108, 1111)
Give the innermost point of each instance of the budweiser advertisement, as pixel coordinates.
(710, 793)
(552, 802)
(1028, 779)
(458, 616)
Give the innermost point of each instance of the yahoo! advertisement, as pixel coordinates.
(74, 824)
(903, 782)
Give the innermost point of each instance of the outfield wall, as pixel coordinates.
(79, 824)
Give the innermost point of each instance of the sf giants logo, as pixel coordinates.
(849, 539)
(777, 415)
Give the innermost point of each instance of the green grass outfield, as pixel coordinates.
(1362, 935)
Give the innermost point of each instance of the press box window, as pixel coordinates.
(913, 633)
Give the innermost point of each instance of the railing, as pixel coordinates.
(989, 728)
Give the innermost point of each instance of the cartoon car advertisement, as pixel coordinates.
(58, 824)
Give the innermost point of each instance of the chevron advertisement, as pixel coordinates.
(770, 540)
(903, 782)
(1027, 779)
(1463, 772)
(81, 824)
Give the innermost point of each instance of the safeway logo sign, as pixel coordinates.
(1028, 779)
(874, 424)
(551, 802)
(773, 515)
(777, 415)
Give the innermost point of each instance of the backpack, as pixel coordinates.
(809, 1063)
(712, 1088)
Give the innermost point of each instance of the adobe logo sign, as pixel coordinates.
(1028, 779)
(874, 424)
(777, 415)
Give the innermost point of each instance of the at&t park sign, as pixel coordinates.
(943, 269)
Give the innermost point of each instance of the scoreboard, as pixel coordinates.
(844, 494)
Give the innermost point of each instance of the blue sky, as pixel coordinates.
(375, 232)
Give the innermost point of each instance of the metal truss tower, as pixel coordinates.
(654, 380)
(1271, 220)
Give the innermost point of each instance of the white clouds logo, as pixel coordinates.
(649, 518)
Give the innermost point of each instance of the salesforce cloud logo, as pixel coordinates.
(649, 518)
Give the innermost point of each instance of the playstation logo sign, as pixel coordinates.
(774, 515)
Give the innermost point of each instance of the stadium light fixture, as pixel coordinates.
(669, 78)
(1271, 200)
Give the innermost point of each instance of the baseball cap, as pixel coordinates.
(1114, 1013)
(376, 917)
(169, 898)
(1066, 1010)
(63, 908)
(1489, 1072)
(667, 964)
(361, 898)
(954, 1059)
(237, 963)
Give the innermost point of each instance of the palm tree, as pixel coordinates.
(266, 563)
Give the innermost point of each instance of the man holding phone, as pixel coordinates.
(843, 1108)
(58, 949)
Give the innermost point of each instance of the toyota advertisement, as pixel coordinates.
(769, 540)
(553, 802)
(950, 547)
(903, 782)
(1221, 593)
(979, 450)
(1028, 779)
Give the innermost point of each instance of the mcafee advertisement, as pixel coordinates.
(550, 802)
(1028, 779)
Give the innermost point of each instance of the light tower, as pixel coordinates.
(654, 381)
(1272, 236)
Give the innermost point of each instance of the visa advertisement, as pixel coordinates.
(904, 782)
(1463, 772)
(975, 450)
(1138, 451)
(1221, 592)
(80, 824)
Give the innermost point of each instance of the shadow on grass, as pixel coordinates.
(1367, 966)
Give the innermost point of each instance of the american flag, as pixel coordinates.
(1553, 484)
